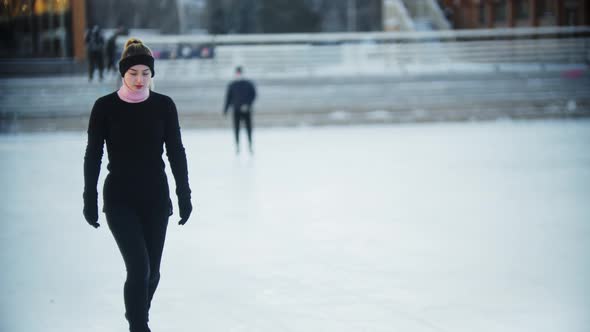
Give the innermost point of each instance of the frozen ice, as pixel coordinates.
(456, 227)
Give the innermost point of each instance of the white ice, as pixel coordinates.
(456, 227)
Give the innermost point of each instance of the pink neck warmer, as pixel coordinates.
(131, 96)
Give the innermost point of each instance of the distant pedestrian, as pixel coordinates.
(95, 47)
(136, 123)
(111, 48)
(240, 95)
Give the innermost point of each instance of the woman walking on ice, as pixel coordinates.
(136, 123)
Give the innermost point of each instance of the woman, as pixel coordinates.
(135, 123)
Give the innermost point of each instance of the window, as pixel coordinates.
(522, 9)
(38, 28)
(500, 7)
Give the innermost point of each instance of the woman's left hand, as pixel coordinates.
(185, 207)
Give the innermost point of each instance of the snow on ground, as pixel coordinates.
(456, 227)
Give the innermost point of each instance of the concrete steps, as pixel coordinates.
(65, 102)
(64, 98)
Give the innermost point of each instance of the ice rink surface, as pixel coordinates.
(455, 227)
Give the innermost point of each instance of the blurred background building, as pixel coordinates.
(40, 28)
(55, 28)
(470, 14)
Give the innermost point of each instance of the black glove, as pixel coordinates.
(185, 208)
(91, 210)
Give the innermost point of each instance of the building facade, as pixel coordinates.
(478, 14)
(42, 28)
(283, 16)
(56, 28)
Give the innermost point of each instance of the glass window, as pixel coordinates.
(522, 9)
(500, 7)
(482, 12)
(39, 28)
(546, 8)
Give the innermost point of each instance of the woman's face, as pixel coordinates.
(138, 77)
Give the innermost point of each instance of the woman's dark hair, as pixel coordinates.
(135, 46)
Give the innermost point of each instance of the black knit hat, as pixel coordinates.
(139, 59)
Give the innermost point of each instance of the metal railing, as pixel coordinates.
(356, 37)
(308, 55)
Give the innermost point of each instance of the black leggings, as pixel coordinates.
(140, 237)
(247, 118)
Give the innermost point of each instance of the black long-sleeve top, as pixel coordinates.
(239, 92)
(135, 134)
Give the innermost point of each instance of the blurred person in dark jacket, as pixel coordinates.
(111, 48)
(95, 47)
(240, 95)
